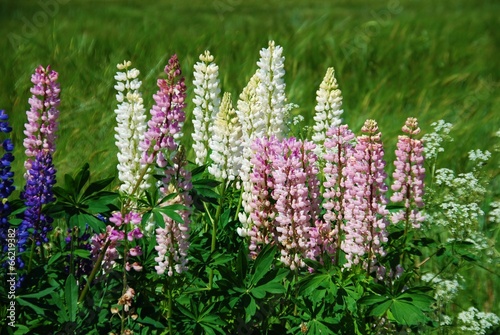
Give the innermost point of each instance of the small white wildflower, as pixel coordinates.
(494, 214)
(444, 290)
(297, 119)
(472, 321)
(433, 141)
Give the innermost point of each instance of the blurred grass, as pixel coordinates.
(428, 59)
(393, 60)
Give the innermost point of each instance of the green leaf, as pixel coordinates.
(93, 222)
(258, 292)
(372, 300)
(170, 213)
(71, 297)
(21, 330)
(208, 183)
(82, 253)
(158, 218)
(82, 178)
(38, 310)
(97, 186)
(311, 282)
(150, 321)
(250, 309)
(207, 192)
(54, 258)
(272, 287)
(40, 294)
(406, 313)
(263, 263)
(382, 308)
(242, 263)
(69, 182)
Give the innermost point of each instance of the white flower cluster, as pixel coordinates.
(263, 112)
(472, 321)
(444, 290)
(494, 214)
(458, 199)
(328, 109)
(131, 125)
(433, 141)
(252, 126)
(270, 91)
(207, 101)
(226, 142)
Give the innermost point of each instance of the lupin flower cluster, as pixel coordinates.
(131, 125)
(167, 116)
(270, 90)
(328, 109)
(286, 198)
(225, 142)
(365, 210)
(338, 147)
(173, 240)
(262, 112)
(40, 145)
(6, 180)
(409, 176)
(207, 101)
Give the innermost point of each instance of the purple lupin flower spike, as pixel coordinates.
(6, 182)
(40, 132)
(167, 116)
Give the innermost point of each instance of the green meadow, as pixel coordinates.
(393, 59)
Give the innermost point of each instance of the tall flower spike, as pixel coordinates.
(37, 192)
(167, 116)
(409, 176)
(328, 109)
(365, 211)
(173, 240)
(296, 194)
(207, 101)
(6, 181)
(261, 210)
(339, 147)
(225, 142)
(271, 91)
(252, 123)
(131, 125)
(40, 130)
(286, 199)
(40, 144)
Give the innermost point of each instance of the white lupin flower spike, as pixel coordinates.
(328, 109)
(207, 101)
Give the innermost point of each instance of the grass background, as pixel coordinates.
(393, 59)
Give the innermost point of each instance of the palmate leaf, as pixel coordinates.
(407, 308)
(71, 297)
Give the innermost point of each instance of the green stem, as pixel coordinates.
(32, 251)
(96, 268)
(215, 222)
(169, 313)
